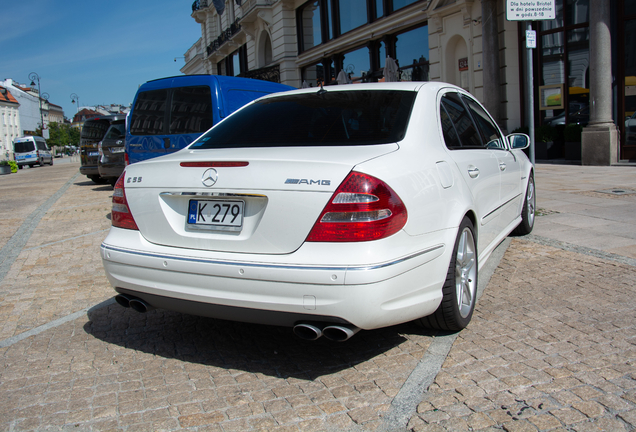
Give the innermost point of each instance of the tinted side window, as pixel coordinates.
(191, 110)
(468, 134)
(41, 145)
(450, 134)
(149, 113)
(489, 132)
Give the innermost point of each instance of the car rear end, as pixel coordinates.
(92, 133)
(280, 225)
(25, 152)
(111, 148)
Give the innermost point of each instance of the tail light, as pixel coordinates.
(120, 215)
(363, 208)
(126, 160)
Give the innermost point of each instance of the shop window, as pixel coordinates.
(357, 64)
(411, 51)
(352, 13)
(557, 22)
(399, 4)
(379, 9)
(320, 73)
(564, 59)
(577, 12)
(310, 22)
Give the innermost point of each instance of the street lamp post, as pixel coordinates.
(34, 76)
(75, 97)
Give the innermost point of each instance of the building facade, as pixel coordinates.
(9, 123)
(464, 42)
(31, 114)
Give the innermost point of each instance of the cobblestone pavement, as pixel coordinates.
(549, 347)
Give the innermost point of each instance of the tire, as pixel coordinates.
(97, 179)
(19, 166)
(460, 288)
(527, 213)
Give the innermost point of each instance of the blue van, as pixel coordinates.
(169, 113)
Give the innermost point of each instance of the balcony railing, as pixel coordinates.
(225, 36)
(271, 73)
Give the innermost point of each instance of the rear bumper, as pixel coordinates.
(278, 292)
(113, 170)
(89, 170)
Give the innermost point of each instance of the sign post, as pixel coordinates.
(530, 10)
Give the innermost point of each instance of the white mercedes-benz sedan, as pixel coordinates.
(327, 210)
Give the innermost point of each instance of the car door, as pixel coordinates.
(509, 166)
(477, 164)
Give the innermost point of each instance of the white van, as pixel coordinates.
(31, 150)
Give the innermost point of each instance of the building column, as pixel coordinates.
(492, 72)
(599, 144)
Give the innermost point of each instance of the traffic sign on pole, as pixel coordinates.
(530, 10)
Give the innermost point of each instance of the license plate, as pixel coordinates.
(216, 214)
(115, 150)
(93, 153)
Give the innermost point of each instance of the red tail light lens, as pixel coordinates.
(126, 160)
(363, 208)
(120, 214)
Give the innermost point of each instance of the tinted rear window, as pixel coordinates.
(24, 147)
(94, 130)
(116, 130)
(334, 118)
(190, 111)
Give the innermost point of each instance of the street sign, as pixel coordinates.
(530, 10)
(531, 39)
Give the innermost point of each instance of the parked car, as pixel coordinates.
(30, 150)
(579, 114)
(331, 210)
(92, 133)
(169, 113)
(111, 148)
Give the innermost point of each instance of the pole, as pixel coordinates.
(530, 97)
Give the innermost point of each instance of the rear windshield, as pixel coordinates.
(181, 110)
(94, 130)
(117, 130)
(24, 147)
(334, 118)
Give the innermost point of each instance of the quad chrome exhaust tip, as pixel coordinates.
(313, 331)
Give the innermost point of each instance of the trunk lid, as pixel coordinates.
(280, 193)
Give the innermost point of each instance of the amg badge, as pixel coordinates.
(308, 182)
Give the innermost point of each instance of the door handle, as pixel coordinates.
(166, 143)
(473, 172)
(502, 166)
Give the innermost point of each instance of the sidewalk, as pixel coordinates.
(591, 207)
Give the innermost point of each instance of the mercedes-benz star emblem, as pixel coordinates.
(209, 177)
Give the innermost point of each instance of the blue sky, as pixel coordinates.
(102, 51)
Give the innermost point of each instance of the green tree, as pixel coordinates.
(58, 135)
(62, 134)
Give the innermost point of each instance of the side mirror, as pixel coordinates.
(518, 141)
